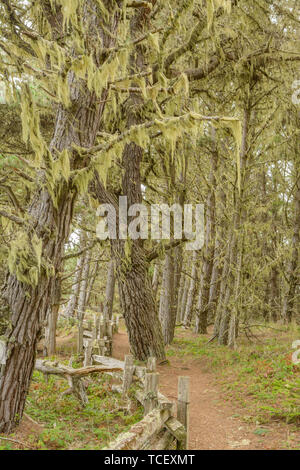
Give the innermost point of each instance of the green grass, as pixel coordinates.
(259, 376)
(66, 425)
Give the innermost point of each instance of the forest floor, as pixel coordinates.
(56, 422)
(244, 399)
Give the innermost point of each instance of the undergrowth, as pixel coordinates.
(259, 376)
(65, 424)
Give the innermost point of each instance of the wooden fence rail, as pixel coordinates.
(160, 428)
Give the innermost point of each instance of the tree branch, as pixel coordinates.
(13, 218)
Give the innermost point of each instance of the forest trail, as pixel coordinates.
(215, 424)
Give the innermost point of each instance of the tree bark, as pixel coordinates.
(192, 292)
(73, 300)
(155, 280)
(209, 249)
(227, 317)
(28, 306)
(50, 222)
(82, 299)
(93, 277)
(293, 270)
(236, 274)
(132, 268)
(110, 290)
(184, 298)
(167, 311)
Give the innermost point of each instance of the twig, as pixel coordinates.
(32, 420)
(264, 326)
(12, 217)
(211, 339)
(16, 442)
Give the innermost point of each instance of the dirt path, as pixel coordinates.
(214, 423)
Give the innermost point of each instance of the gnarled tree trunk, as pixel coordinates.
(50, 222)
(132, 268)
(28, 306)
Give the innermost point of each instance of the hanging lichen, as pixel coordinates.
(31, 125)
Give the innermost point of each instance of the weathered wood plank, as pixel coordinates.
(151, 389)
(183, 409)
(162, 440)
(54, 368)
(87, 334)
(108, 361)
(140, 372)
(88, 353)
(140, 433)
(163, 402)
(151, 364)
(176, 428)
(128, 373)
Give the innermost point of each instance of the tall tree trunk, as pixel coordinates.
(189, 310)
(179, 298)
(73, 300)
(227, 317)
(293, 271)
(50, 222)
(155, 280)
(215, 280)
(139, 307)
(135, 288)
(178, 277)
(110, 290)
(92, 280)
(82, 299)
(239, 234)
(167, 311)
(274, 293)
(209, 248)
(28, 305)
(223, 312)
(132, 268)
(185, 293)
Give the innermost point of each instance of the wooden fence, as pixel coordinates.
(161, 428)
(96, 337)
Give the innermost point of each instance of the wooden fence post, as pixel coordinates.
(109, 329)
(102, 328)
(101, 347)
(183, 409)
(128, 373)
(151, 364)
(88, 353)
(151, 389)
